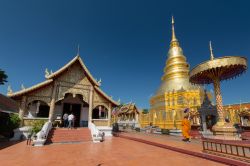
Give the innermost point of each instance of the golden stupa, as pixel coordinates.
(175, 93)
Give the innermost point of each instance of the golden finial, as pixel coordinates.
(174, 41)
(9, 90)
(22, 87)
(173, 32)
(211, 51)
(46, 72)
(78, 50)
(100, 81)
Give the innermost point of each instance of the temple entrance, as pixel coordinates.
(100, 112)
(210, 120)
(75, 109)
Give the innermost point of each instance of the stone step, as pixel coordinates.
(63, 135)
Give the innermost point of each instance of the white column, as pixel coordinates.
(52, 103)
(37, 107)
(242, 120)
(109, 114)
(90, 104)
(22, 108)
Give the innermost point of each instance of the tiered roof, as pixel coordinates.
(51, 77)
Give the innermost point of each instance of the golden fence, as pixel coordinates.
(100, 122)
(146, 120)
(29, 121)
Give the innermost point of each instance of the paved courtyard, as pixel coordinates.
(114, 151)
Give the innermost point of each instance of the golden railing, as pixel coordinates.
(100, 122)
(29, 121)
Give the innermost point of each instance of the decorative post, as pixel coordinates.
(214, 71)
(90, 103)
(22, 108)
(219, 106)
(109, 114)
(52, 103)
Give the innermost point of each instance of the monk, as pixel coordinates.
(186, 129)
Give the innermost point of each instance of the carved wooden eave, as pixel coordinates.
(27, 90)
(128, 109)
(106, 96)
(77, 58)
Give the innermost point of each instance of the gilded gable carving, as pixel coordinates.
(100, 100)
(43, 94)
(64, 88)
(73, 74)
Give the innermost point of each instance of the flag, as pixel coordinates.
(115, 111)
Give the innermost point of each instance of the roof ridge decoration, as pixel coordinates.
(76, 58)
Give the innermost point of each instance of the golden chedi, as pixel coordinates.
(175, 93)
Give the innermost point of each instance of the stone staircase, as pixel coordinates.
(64, 135)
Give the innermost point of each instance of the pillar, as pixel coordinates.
(52, 103)
(219, 106)
(204, 124)
(37, 107)
(90, 103)
(109, 114)
(22, 108)
(242, 120)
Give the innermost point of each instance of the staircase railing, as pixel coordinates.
(43, 134)
(97, 136)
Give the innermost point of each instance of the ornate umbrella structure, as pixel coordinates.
(214, 71)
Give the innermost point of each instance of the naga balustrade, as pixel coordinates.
(235, 149)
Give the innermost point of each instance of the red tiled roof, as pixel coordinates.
(7, 104)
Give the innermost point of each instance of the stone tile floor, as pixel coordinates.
(113, 152)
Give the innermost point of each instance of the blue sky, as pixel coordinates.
(124, 43)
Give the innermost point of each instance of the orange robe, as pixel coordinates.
(186, 128)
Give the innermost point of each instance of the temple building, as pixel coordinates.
(175, 93)
(238, 113)
(71, 89)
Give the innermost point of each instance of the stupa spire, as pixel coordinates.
(176, 70)
(173, 32)
(174, 41)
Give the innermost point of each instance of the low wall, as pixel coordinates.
(29, 121)
(100, 122)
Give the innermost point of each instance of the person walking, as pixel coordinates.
(65, 119)
(70, 120)
(186, 129)
(73, 121)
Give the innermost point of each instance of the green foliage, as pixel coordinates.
(3, 77)
(14, 121)
(137, 129)
(165, 131)
(37, 125)
(145, 111)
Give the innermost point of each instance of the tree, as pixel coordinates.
(145, 111)
(3, 77)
